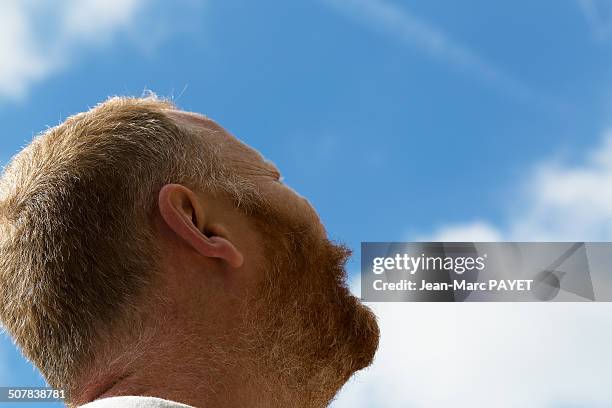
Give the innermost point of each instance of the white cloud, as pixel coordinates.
(481, 355)
(38, 38)
(476, 231)
(400, 23)
(89, 20)
(22, 63)
(560, 202)
(468, 355)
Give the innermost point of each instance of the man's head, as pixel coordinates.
(136, 238)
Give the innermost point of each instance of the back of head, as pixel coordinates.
(77, 254)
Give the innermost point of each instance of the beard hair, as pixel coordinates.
(307, 333)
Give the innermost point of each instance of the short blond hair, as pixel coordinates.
(76, 238)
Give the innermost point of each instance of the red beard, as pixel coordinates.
(312, 333)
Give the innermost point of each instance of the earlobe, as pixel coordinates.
(224, 249)
(183, 213)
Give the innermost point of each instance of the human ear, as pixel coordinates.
(184, 214)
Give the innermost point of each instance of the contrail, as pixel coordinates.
(398, 22)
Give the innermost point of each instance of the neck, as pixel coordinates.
(189, 372)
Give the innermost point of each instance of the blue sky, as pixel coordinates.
(397, 119)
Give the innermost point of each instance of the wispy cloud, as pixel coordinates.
(38, 39)
(400, 23)
(598, 14)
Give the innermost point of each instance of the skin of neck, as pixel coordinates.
(202, 363)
